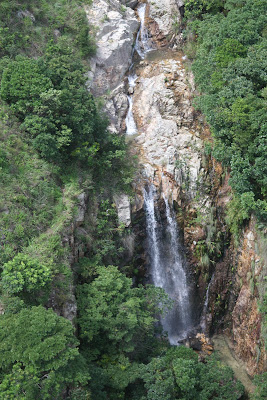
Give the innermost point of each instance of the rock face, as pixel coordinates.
(115, 37)
(234, 294)
(124, 209)
(164, 19)
(246, 318)
(130, 3)
(116, 27)
(169, 141)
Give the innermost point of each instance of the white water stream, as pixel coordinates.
(131, 128)
(203, 318)
(167, 267)
(164, 249)
(142, 45)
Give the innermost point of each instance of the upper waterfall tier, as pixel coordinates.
(143, 43)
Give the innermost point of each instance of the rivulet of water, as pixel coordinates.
(152, 234)
(131, 128)
(167, 266)
(142, 46)
(143, 43)
(203, 318)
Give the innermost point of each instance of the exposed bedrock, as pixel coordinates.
(168, 144)
(116, 27)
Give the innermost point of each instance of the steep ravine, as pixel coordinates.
(168, 138)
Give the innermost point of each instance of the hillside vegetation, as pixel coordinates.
(227, 43)
(230, 69)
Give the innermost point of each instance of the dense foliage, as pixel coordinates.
(230, 70)
(27, 26)
(39, 355)
(24, 274)
(179, 375)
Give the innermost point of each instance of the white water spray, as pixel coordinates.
(167, 268)
(177, 273)
(131, 128)
(153, 237)
(143, 44)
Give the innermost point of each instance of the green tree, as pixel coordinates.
(230, 70)
(196, 8)
(178, 375)
(38, 355)
(23, 82)
(261, 387)
(218, 382)
(114, 316)
(24, 274)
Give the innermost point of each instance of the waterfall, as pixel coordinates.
(131, 128)
(167, 267)
(151, 227)
(142, 45)
(177, 273)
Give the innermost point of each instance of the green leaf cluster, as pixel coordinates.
(178, 375)
(27, 26)
(113, 314)
(196, 8)
(24, 274)
(38, 355)
(50, 98)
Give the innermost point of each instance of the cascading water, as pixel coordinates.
(203, 318)
(151, 227)
(167, 268)
(131, 128)
(143, 44)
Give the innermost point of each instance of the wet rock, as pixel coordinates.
(130, 3)
(199, 342)
(116, 107)
(69, 309)
(81, 209)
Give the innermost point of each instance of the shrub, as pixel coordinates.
(24, 274)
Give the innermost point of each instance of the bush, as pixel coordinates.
(57, 111)
(39, 355)
(24, 274)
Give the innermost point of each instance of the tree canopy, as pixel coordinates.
(230, 69)
(38, 355)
